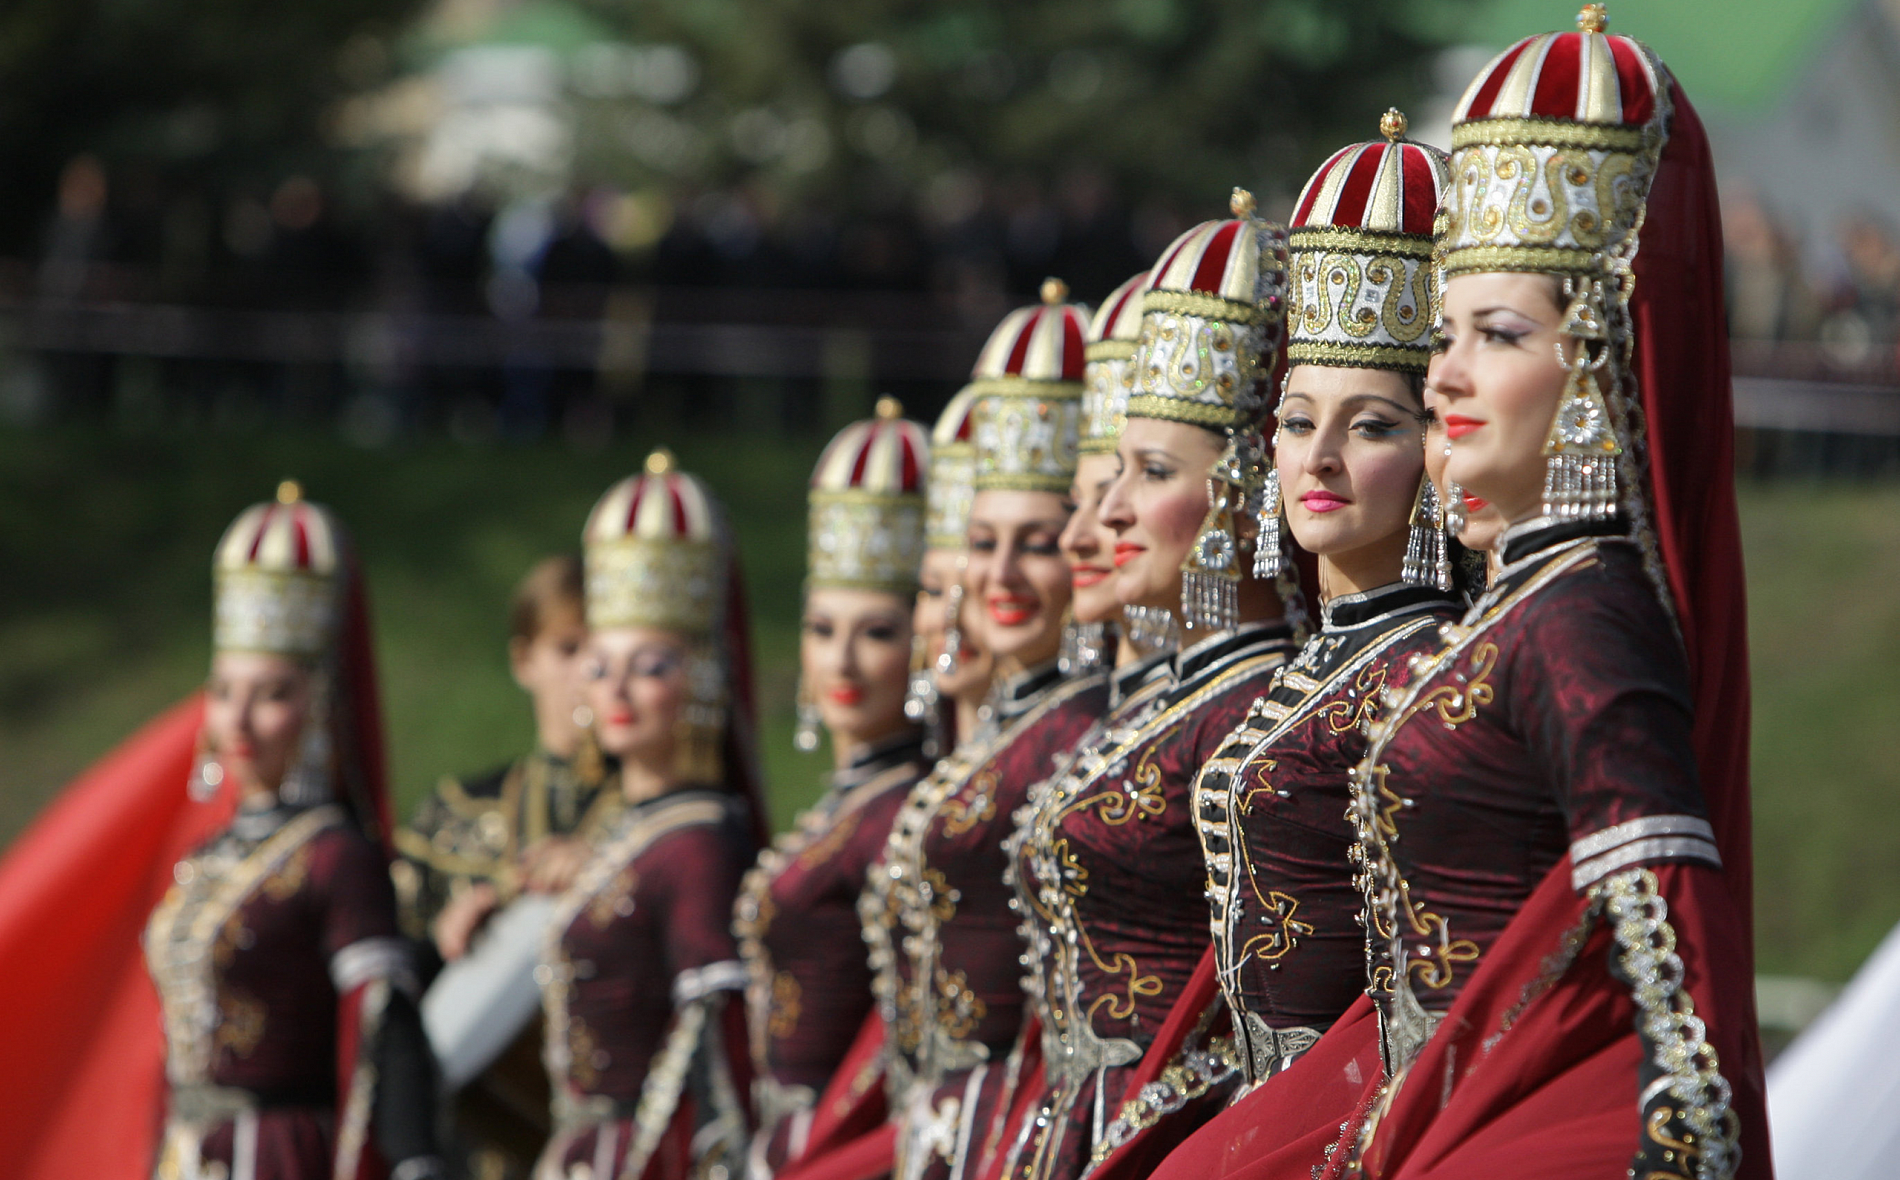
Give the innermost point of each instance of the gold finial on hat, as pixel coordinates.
(1393, 124)
(1054, 290)
(889, 408)
(660, 461)
(1594, 18)
(1242, 203)
(289, 492)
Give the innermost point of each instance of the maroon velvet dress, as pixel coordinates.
(809, 981)
(1111, 883)
(645, 1054)
(937, 915)
(276, 958)
(1289, 936)
(1558, 722)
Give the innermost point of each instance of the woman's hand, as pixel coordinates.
(456, 925)
(550, 864)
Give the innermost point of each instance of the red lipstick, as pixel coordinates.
(1011, 610)
(1087, 575)
(1457, 425)
(1475, 503)
(1321, 500)
(1127, 551)
(846, 695)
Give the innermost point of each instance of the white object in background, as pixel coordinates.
(482, 1001)
(1833, 1093)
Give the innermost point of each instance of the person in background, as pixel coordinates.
(293, 1046)
(809, 986)
(640, 978)
(475, 844)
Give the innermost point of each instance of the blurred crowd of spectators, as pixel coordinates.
(1842, 295)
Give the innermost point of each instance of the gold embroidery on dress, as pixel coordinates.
(1459, 703)
(787, 1005)
(241, 1019)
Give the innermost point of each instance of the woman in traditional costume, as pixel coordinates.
(852, 1134)
(937, 913)
(640, 977)
(1350, 484)
(294, 1049)
(950, 668)
(809, 986)
(1554, 813)
(1105, 863)
(1099, 635)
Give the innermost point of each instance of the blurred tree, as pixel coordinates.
(222, 92)
(857, 98)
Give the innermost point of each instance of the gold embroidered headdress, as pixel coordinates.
(952, 479)
(1361, 243)
(277, 575)
(1108, 377)
(1028, 380)
(1211, 330)
(658, 553)
(867, 505)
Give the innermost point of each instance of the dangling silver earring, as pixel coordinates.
(947, 659)
(1082, 649)
(207, 775)
(805, 735)
(1267, 556)
(1581, 450)
(308, 782)
(920, 691)
(1151, 629)
(1426, 563)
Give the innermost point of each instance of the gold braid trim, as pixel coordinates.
(1179, 409)
(1690, 1128)
(1192, 1073)
(352, 1136)
(1552, 260)
(1601, 137)
(1358, 241)
(1402, 358)
(1108, 350)
(1208, 307)
(1022, 387)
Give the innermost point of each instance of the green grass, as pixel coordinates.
(105, 546)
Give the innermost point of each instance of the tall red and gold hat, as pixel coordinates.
(278, 578)
(1212, 321)
(1361, 243)
(952, 481)
(867, 504)
(656, 548)
(1028, 381)
(1108, 377)
(1554, 146)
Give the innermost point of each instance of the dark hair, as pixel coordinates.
(552, 587)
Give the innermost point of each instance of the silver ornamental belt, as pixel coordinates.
(1271, 1050)
(205, 1105)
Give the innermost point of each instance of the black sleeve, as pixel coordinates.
(406, 1091)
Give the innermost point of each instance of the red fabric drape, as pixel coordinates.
(84, 1043)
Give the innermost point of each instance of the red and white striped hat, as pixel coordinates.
(952, 481)
(1361, 242)
(1028, 378)
(277, 572)
(867, 504)
(1211, 323)
(1554, 146)
(656, 552)
(1109, 377)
